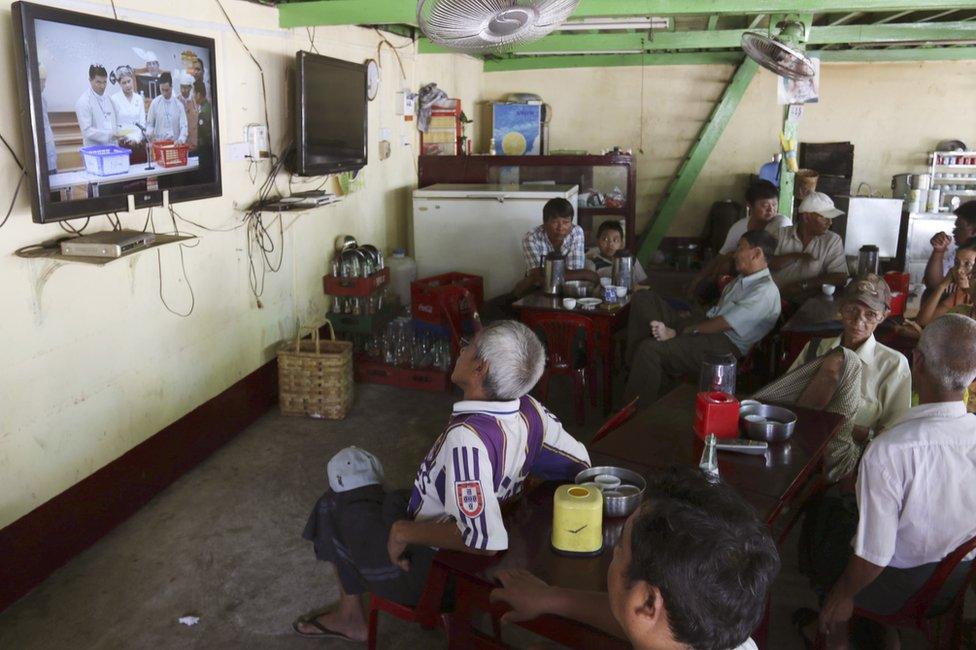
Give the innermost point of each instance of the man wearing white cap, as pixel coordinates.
(384, 543)
(190, 106)
(808, 254)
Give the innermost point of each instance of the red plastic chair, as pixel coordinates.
(913, 613)
(559, 331)
(616, 420)
(426, 613)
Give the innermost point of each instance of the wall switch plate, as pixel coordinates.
(384, 133)
(236, 151)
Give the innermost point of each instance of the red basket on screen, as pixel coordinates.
(167, 153)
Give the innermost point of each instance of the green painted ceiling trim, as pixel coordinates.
(702, 39)
(706, 58)
(708, 137)
(610, 60)
(380, 12)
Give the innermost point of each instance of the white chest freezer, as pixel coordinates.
(478, 229)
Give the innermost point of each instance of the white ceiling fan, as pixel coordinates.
(490, 25)
(782, 54)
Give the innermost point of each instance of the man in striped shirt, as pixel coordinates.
(496, 437)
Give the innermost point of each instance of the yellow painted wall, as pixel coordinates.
(93, 364)
(893, 113)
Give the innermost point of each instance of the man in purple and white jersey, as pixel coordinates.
(497, 436)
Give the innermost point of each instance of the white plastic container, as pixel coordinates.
(403, 271)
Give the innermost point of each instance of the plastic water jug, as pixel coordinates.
(403, 271)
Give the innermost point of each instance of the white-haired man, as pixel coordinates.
(916, 488)
(496, 437)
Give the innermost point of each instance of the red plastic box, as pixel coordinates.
(717, 413)
(360, 287)
(167, 153)
(440, 298)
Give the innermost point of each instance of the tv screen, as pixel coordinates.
(331, 115)
(112, 109)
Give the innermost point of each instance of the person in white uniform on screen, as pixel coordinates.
(97, 118)
(50, 148)
(167, 118)
(130, 105)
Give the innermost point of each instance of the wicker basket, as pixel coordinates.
(315, 377)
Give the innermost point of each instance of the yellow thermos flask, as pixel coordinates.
(577, 520)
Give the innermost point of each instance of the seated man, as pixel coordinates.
(610, 239)
(916, 489)
(808, 254)
(762, 206)
(661, 342)
(886, 381)
(691, 570)
(497, 436)
(944, 247)
(556, 234)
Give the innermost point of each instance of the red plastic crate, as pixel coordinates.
(433, 299)
(436, 381)
(359, 287)
(368, 371)
(167, 153)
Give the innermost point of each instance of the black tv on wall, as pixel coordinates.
(112, 109)
(330, 115)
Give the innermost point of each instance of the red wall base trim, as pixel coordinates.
(46, 538)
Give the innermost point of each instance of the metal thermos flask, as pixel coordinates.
(867, 260)
(623, 269)
(554, 269)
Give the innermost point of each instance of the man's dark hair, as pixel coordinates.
(967, 212)
(166, 78)
(761, 190)
(96, 70)
(200, 88)
(763, 240)
(708, 553)
(609, 225)
(557, 208)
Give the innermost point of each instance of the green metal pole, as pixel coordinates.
(708, 137)
(791, 124)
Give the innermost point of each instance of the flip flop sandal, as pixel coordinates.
(323, 633)
(801, 619)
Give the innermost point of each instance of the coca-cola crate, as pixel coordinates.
(369, 371)
(356, 287)
(433, 380)
(447, 296)
(362, 323)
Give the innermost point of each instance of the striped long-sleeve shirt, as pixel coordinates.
(482, 460)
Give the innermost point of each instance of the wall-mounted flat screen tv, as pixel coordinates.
(330, 115)
(113, 109)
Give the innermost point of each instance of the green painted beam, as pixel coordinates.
(728, 38)
(714, 58)
(712, 22)
(681, 185)
(380, 12)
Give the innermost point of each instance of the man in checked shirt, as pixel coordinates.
(497, 436)
(556, 234)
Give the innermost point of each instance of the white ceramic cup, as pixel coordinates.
(569, 303)
(828, 289)
(621, 291)
(606, 282)
(607, 481)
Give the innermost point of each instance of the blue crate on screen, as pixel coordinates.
(106, 160)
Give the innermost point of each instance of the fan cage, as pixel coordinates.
(490, 25)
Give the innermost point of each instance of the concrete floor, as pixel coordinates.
(224, 543)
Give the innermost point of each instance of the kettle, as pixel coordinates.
(867, 260)
(554, 270)
(623, 269)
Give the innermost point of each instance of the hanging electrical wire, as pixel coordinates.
(385, 41)
(159, 268)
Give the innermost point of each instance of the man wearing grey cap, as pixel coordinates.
(808, 254)
(383, 543)
(886, 380)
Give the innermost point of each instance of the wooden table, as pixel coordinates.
(607, 318)
(654, 438)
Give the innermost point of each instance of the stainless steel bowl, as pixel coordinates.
(578, 289)
(777, 424)
(617, 506)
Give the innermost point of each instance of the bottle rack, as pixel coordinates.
(953, 172)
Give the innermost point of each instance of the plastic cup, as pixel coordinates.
(606, 282)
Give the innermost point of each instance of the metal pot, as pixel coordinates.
(777, 423)
(900, 185)
(623, 269)
(555, 273)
